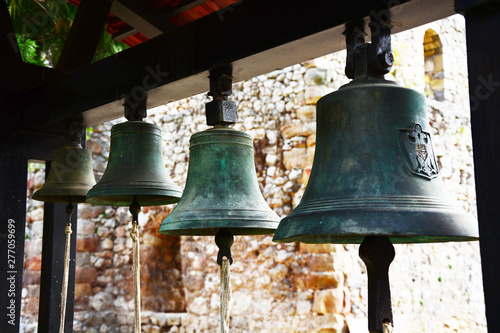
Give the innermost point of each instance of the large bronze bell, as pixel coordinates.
(221, 189)
(375, 173)
(135, 168)
(70, 176)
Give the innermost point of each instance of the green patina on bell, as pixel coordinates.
(70, 176)
(135, 168)
(375, 173)
(221, 189)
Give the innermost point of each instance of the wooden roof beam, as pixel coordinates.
(141, 18)
(9, 50)
(176, 65)
(84, 35)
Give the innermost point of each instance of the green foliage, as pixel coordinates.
(42, 27)
(28, 50)
(89, 132)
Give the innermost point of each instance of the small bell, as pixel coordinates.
(135, 176)
(70, 174)
(221, 189)
(70, 178)
(222, 195)
(135, 168)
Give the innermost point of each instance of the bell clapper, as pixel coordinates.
(135, 208)
(224, 239)
(377, 252)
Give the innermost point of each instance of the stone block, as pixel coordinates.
(86, 211)
(82, 303)
(303, 307)
(310, 155)
(309, 128)
(152, 240)
(311, 140)
(102, 301)
(305, 175)
(34, 263)
(437, 84)
(33, 290)
(315, 76)
(82, 258)
(295, 158)
(31, 305)
(331, 323)
(87, 244)
(306, 113)
(320, 262)
(314, 93)
(94, 146)
(318, 280)
(83, 289)
(317, 248)
(31, 277)
(289, 131)
(105, 254)
(86, 227)
(298, 141)
(35, 215)
(85, 275)
(328, 301)
(37, 229)
(106, 244)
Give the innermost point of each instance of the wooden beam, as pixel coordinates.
(176, 65)
(483, 54)
(9, 50)
(143, 19)
(13, 181)
(184, 6)
(84, 35)
(124, 33)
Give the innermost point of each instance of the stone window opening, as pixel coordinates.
(433, 66)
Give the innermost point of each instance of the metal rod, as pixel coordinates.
(377, 253)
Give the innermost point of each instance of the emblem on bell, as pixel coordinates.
(417, 146)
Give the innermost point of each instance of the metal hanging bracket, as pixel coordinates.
(221, 111)
(369, 60)
(135, 110)
(74, 134)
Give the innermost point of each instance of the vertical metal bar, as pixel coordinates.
(377, 253)
(13, 183)
(54, 222)
(483, 54)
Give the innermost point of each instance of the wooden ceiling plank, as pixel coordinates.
(124, 33)
(84, 35)
(141, 18)
(184, 6)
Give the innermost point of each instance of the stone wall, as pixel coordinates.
(276, 287)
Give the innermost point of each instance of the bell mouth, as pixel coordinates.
(404, 219)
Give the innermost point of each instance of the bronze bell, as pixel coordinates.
(375, 173)
(135, 168)
(70, 176)
(221, 189)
